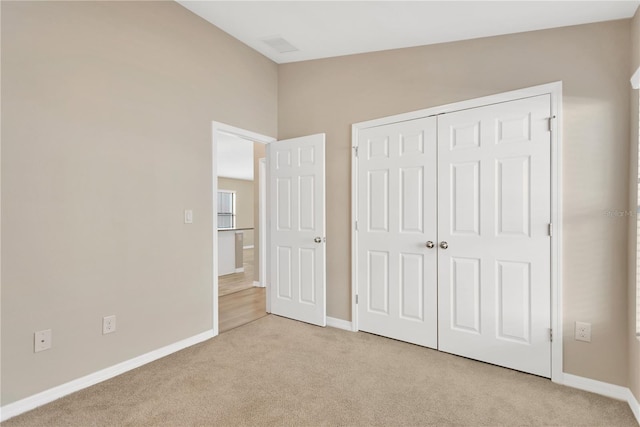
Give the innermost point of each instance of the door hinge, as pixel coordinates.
(550, 229)
(356, 298)
(355, 148)
(550, 334)
(356, 225)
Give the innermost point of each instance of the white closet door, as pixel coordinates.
(494, 213)
(297, 229)
(397, 288)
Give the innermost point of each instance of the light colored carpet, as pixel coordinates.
(278, 372)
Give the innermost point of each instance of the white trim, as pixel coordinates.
(557, 361)
(239, 270)
(262, 211)
(354, 217)
(555, 90)
(217, 127)
(635, 79)
(44, 397)
(339, 323)
(248, 247)
(587, 384)
(634, 405)
(605, 389)
(257, 284)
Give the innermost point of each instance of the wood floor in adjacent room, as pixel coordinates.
(240, 302)
(230, 283)
(242, 307)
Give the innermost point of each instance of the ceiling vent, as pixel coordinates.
(280, 44)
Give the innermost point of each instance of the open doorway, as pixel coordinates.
(240, 294)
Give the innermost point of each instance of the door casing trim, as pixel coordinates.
(553, 89)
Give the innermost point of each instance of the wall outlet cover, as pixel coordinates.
(583, 331)
(108, 324)
(42, 340)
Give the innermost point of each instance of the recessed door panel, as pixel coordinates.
(465, 294)
(464, 136)
(411, 286)
(307, 217)
(284, 272)
(514, 300)
(411, 200)
(465, 198)
(515, 128)
(411, 144)
(378, 147)
(283, 203)
(306, 156)
(378, 196)
(378, 279)
(307, 274)
(513, 192)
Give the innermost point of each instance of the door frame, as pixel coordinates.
(553, 89)
(216, 128)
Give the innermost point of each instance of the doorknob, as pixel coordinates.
(444, 245)
(430, 244)
(317, 240)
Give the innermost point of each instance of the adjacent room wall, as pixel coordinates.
(106, 139)
(244, 204)
(330, 95)
(634, 343)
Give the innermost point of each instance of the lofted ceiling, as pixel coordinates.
(322, 29)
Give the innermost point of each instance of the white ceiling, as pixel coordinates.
(235, 157)
(321, 29)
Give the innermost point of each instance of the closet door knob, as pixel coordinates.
(317, 240)
(430, 244)
(444, 245)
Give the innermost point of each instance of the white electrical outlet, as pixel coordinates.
(583, 331)
(108, 324)
(42, 340)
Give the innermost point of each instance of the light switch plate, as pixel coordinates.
(188, 216)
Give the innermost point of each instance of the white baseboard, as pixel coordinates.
(258, 284)
(605, 389)
(339, 323)
(248, 247)
(634, 405)
(39, 399)
(240, 270)
(594, 386)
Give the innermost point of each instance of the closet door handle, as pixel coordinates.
(317, 240)
(430, 244)
(444, 245)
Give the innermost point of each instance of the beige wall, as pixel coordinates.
(593, 62)
(244, 204)
(106, 139)
(634, 343)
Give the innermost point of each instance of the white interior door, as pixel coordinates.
(297, 228)
(493, 218)
(397, 289)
